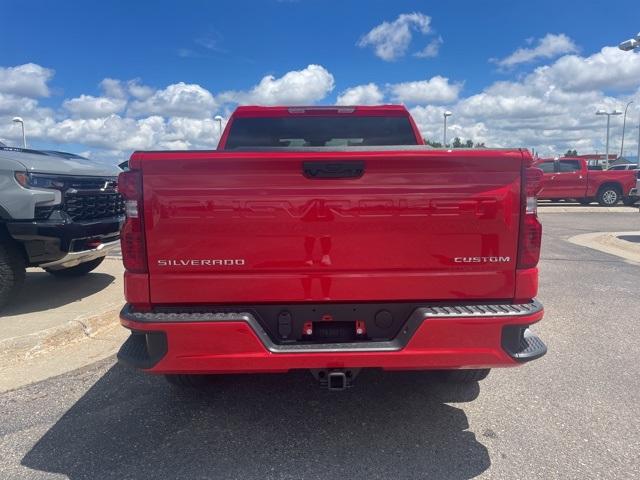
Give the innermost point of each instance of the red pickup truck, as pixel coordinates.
(329, 239)
(570, 178)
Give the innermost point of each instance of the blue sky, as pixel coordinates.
(224, 47)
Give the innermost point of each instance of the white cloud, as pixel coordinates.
(298, 87)
(390, 40)
(549, 46)
(87, 106)
(609, 69)
(113, 88)
(552, 108)
(180, 99)
(28, 80)
(369, 94)
(434, 90)
(431, 50)
(13, 105)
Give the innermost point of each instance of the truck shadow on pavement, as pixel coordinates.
(42, 291)
(390, 425)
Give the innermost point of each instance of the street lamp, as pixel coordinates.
(608, 114)
(624, 124)
(631, 44)
(638, 157)
(218, 119)
(21, 122)
(446, 114)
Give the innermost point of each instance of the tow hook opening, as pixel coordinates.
(336, 379)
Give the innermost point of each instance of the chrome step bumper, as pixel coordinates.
(72, 259)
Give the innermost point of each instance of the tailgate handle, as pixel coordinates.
(346, 169)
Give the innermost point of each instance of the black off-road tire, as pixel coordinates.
(609, 195)
(12, 270)
(630, 201)
(464, 376)
(188, 381)
(78, 270)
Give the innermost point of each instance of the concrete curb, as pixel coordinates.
(581, 209)
(17, 349)
(608, 242)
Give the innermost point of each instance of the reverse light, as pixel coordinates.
(132, 239)
(530, 227)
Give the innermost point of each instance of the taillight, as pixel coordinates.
(132, 242)
(530, 227)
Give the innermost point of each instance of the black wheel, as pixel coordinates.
(12, 270)
(188, 381)
(584, 201)
(78, 270)
(464, 376)
(629, 201)
(609, 195)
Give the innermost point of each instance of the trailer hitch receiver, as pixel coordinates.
(335, 379)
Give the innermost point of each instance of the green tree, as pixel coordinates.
(457, 143)
(480, 145)
(571, 153)
(432, 143)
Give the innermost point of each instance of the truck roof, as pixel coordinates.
(372, 110)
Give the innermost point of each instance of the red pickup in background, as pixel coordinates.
(570, 178)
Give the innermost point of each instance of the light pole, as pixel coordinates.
(638, 157)
(624, 124)
(446, 114)
(218, 119)
(629, 46)
(608, 114)
(21, 122)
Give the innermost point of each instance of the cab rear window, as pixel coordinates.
(546, 167)
(319, 131)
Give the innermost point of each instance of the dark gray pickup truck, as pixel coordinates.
(58, 211)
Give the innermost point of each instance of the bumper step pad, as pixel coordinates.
(530, 347)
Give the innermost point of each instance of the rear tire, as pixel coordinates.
(584, 201)
(12, 270)
(609, 195)
(630, 201)
(78, 270)
(464, 376)
(188, 381)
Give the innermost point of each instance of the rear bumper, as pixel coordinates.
(484, 336)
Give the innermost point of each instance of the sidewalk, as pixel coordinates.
(54, 313)
(565, 207)
(622, 244)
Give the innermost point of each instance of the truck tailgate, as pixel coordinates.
(233, 227)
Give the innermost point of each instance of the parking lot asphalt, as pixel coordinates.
(572, 414)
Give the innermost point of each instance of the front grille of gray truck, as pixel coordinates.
(83, 198)
(93, 205)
